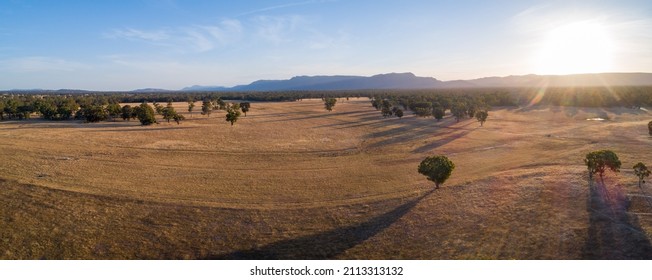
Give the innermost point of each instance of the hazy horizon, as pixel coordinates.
(174, 44)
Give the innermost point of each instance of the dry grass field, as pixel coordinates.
(293, 181)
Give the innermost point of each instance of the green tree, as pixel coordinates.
(329, 103)
(178, 118)
(233, 113)
(641, 171)
(481, 116)
(145, 114)
(438, 113)
(206, 108)
(422, 109)
(459, 111)
(158, 107)
(127, 112)
(95, 113)
(244, 106)
(168, 112)
(114, 110)
(600, 161)
(2, 108)
(437, 168)
(470, 111)
(191, 106)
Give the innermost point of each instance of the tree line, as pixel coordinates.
(99, 108)
(630, 96)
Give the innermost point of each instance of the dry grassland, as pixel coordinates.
(293, 181)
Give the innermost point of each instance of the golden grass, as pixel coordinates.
(292, 180)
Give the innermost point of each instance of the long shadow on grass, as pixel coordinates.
(325, 245)
(613, 234)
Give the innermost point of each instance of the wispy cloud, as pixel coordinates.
(197, 38)
(41, 63)
(135, 34)
(282, 6)
(277, 29)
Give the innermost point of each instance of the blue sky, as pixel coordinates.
(124, 45)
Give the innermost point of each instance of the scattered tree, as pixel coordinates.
(244, 106)
(481, 116)
(158, 107)
(127, 112)
(422, 109)
(397, 112)
(437, 169)
(114, 110)
(94, 113)
(169, 113)
(145, 114)
(641, 171)
(329, 103)
(178, 118)
(459, 111)
(600, 161)
(206, 108)
(191, 105)
(233, 113)
(438, 113)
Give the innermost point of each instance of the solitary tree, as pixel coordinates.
(641, 172)
(437, 169)
(481, 116)
(600, 161)
(329, 103)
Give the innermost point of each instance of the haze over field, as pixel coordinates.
(115, 45)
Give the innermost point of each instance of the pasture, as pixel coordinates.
(294, 181)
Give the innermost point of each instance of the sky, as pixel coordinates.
(126, 45)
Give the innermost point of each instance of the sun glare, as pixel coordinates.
(581, 47)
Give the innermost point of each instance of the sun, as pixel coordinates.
(580, 47)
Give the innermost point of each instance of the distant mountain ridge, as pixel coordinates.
(411, 81)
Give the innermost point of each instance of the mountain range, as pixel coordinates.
(411, 81)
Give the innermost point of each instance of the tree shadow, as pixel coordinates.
(613, 234)
(325, 245)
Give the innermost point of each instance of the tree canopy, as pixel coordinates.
(600, 161)
(437, 169)
(481, 116)
(329, 103)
